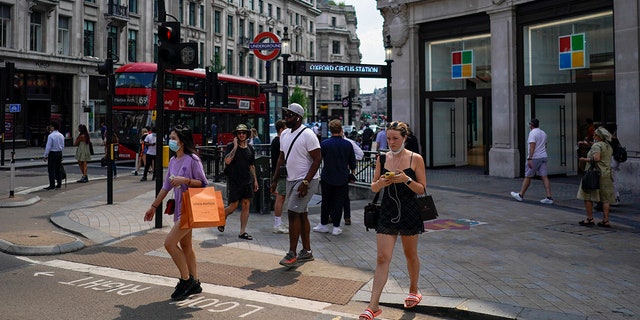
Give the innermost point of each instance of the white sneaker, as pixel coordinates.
(336, 231)
(516, 196)
(281, 229)
(546, 201)
(321, 228)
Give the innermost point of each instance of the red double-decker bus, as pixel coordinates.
(134, 104)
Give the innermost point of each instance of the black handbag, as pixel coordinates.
(372, 213)
(426, 206)
(91, 152)
(372, 210)
(591, 178)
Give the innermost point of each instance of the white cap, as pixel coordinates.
(295, 108)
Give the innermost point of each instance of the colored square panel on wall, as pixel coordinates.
(571, 53)
(462, 64)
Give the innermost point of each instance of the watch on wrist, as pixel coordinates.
(409, 181)
(306, 182)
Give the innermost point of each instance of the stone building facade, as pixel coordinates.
(56, 46)
(470, 75)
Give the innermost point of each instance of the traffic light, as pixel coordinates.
(172, 54)
(105, 69)
(13, 81)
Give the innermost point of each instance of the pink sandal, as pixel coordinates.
(368, 314)
(413, 297)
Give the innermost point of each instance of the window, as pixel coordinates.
(216, 57)
(297, 19)
(261, 6)
(192, 13)
(252, 5)
(278, 13)
(113, 34)
(201, 17)
(337, 93)
(132, 45)
(311, 50)
(181, 11)
(133, 6)
(155, 47)
(201, 56)
(35, 31)
(63, 35)
(310, 26)
(260, 68)
(251, 62)
(155, 9)
(251, 31)
(270, 10)
(5, 26)
(241, 29)
(216, 21)
(229, 61)
(230, 26)
(278, 71)
(89, 38)
(241, 64)
(336, 47)
(333, 22)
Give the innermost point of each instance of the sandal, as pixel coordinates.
(604, 224)
(245, 236)
(412, 300)
(221, 228)
(587, 223)
(368, 314)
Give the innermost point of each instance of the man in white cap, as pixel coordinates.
(300, 154)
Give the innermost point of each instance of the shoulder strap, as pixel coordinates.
(292, 142)
(383, 158)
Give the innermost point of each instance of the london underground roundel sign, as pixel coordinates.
(258, 46)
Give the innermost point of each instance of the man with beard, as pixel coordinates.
(300, 154)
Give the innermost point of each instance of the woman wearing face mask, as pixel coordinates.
(399, 215)
(185, 171)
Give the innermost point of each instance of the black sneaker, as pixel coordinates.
(143, 179)
(304, 256)
(183, 289)
(197, 288)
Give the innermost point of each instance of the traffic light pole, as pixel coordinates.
(157, 166)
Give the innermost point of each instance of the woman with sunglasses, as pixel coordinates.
(402, 177)
(185, 171)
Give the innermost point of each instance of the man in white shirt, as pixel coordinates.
(150, 143)
(300, 152)
(53, 156)
(536, 162)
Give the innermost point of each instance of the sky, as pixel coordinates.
(370, 34)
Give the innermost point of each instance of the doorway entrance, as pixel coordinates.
(459, 132)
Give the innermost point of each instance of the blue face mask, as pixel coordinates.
(173, 145)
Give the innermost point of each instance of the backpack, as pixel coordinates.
(620, 154)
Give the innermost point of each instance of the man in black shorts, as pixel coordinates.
(241, 177)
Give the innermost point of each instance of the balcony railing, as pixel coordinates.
(118, 10)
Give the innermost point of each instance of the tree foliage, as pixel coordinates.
(298, 96)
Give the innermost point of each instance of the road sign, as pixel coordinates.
(269, 87)
(14, 107)
(257, 46)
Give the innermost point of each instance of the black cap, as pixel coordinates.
(534, 122)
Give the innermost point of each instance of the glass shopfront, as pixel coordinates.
(568, 77)
(457, 77)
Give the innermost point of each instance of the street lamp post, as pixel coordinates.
(388, 58)
(286, 53)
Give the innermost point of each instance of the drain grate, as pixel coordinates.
(578, 230)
